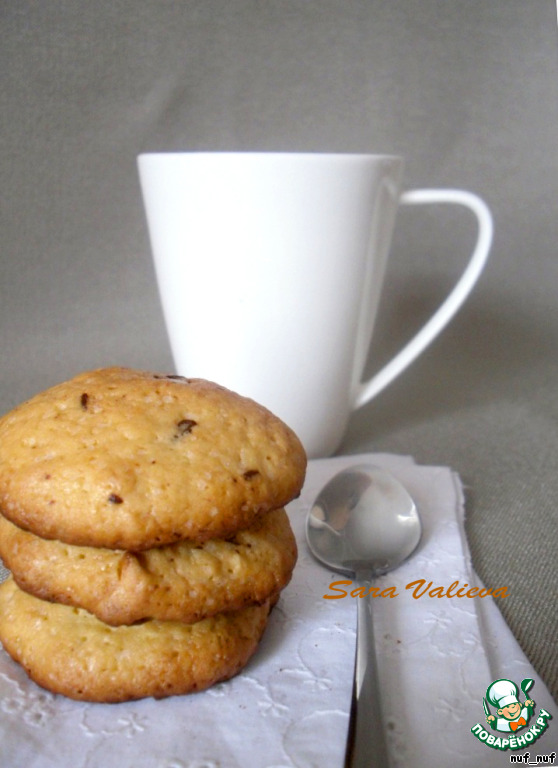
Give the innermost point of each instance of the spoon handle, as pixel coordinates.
(366, 746)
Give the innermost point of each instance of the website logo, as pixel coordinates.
(516, 724)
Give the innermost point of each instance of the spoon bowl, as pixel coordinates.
(363, 524)
(363, 520)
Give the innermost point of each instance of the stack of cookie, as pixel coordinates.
(143, 523)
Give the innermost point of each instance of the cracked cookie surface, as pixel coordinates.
(182, 582)
(69, 651)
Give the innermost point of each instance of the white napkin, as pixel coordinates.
(289, 707)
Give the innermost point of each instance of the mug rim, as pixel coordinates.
(317, 155)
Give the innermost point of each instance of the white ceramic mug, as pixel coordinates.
(270, 269)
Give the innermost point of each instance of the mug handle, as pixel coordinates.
(369, 389)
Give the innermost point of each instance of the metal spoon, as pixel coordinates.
(364, 524)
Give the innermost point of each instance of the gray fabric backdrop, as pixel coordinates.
(466, 90)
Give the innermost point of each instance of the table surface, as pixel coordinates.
(468, 96)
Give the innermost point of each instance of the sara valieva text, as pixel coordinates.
(418, 588)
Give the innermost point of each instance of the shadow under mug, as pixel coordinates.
(270, 269)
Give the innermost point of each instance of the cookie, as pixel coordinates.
(182, 582)
(70, 651)
(131, 460)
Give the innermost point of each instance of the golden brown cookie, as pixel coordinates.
(180, 582)
(69, 651)
(132, 460)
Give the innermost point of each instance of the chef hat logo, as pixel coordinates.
(502, 693)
